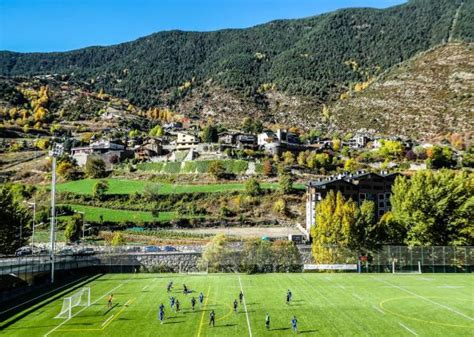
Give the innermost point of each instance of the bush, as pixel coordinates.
(95, 167)
(252, 187)
(286, 183)
(280, 206)
(100, 189)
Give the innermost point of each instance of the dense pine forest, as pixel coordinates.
(316, 59)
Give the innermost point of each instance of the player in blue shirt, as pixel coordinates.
(294, 321)
(161, 313)
(201, 298)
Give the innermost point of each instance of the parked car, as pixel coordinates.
(24, 251)
(66, 251)
(85, 251)
(133, 249)
(169, 249)
(151, 249)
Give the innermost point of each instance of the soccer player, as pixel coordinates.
(267, 321)
(193, 302)
(290, 294)
(161, 313)
(185, 289)
(241, 296)
(201, 298)
(235, 305)
(171, 302)
(170, 285)
(287, 298)
(177, 305)
(212, 318)
(294, 321)
(109, 301)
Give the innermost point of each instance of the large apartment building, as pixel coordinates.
(359, 186)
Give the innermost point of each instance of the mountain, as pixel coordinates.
(282, 71)
(427, 96)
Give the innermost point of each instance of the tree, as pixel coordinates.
(366, 234)
(439, 157)
(215, 253)
(95, 167)
(252, 187)
(247, 125)
(267, 168)
(288, 158)
(390, 149)
(286, 183)
(73, 230)
(209, 134)
(336, 144)
(279, 207)
(100, 189)
(351, 165)
(334, 219)
(216, 169)
(15, 218)
(157, 131)
(118, 239)
(435, 208)
(66, 170)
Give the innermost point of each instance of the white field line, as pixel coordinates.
(408, 329)
(49, 292)
(357, 296)
(245, 307)
(108, 319)
(97, 300)
(145, 287)
(378, 309)
(428, 300)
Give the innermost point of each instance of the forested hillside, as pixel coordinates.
(282, 71)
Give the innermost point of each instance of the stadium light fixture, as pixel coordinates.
(56, 151)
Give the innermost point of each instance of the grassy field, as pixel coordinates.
(116, 215)
(118, 186)
(324, 304)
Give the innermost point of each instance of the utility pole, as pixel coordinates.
(56, 151)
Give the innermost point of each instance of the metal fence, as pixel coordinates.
(439, 259)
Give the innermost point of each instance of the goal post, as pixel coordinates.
(82, 298)
(408, 269)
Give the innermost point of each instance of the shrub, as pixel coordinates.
(252, 187)
(280, 206)
(95, 167)
(100, 189)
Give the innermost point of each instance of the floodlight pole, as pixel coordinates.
(56, 152)
(53, 214)
(34, 222)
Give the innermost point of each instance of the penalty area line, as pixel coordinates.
(408, 329)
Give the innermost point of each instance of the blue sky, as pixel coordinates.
(58, 25)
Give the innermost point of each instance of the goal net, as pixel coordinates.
(398, 268)
(80, 299)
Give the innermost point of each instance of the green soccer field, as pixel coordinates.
(324, 305)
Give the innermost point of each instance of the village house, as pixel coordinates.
(149, 149)
(359, 186)
(105, 149)
(186, 141)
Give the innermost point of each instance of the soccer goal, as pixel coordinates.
(80, 299)
(406, 269)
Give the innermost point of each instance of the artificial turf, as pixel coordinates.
(324, 304)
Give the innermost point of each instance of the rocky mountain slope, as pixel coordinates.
(427, 96)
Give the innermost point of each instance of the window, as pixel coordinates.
(381, 204)
(387, 195)
(381, 212)
(381, 196)
(362, 196)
